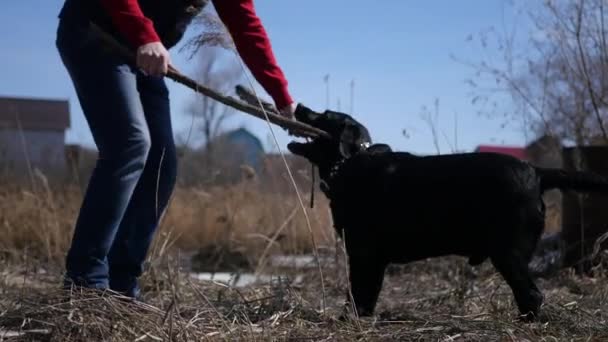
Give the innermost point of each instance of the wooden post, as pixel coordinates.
(584, 216)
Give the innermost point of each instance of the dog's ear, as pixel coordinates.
(379, 149)
(352, 139)
(305, 114)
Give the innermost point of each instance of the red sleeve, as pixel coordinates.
(129, 19)
(254, 47)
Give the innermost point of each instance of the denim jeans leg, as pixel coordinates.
(107, 92)
(152, 193)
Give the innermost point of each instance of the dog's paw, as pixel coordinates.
(349, 313)
(530, 317)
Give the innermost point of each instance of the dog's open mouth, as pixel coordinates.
(298, 147)
(309, 117)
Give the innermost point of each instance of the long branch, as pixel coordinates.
(295, 127)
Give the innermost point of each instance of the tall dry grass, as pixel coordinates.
(245, 218)
(37, 220)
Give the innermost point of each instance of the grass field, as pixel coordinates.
(438, 300)
(441, 299)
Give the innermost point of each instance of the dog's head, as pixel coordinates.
(347, 137)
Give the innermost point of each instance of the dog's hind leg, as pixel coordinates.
(514, 269)
(366, 278)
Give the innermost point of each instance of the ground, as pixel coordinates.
(440, 299)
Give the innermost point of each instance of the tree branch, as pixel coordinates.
(587, 78)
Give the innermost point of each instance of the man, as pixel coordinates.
(127, 110)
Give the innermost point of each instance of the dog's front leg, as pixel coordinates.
(366, 277)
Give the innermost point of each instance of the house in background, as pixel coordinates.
(544, 151)
(32, 131)
(517, 152)
(241, 147)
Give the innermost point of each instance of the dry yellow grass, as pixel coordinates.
(36, 222)
(244, 214)
(434, 300)
(246, 217)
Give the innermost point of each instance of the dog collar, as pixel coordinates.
(335, 169)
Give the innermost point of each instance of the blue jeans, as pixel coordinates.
(129, 117)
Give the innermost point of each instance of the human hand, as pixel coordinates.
(153, 59)
(289, 110)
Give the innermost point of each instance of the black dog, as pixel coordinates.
(395, 207)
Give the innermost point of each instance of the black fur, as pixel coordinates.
(396, 207)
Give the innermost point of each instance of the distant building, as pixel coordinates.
(33, 131)
(544, 151)
(517, 152)
(241, 147)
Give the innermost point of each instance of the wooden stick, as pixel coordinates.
(294, 127)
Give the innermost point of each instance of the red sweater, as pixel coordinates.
(244, 26)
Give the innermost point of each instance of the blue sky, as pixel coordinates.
(397, 51)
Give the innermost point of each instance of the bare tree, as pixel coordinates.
(213, 51)
(431, 119)
(209, 116)
(557, 79)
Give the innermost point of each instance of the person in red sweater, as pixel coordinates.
(240, 19)
(127, 110)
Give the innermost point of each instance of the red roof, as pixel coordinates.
(517, 152)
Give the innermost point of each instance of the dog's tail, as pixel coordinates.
(571, 180)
